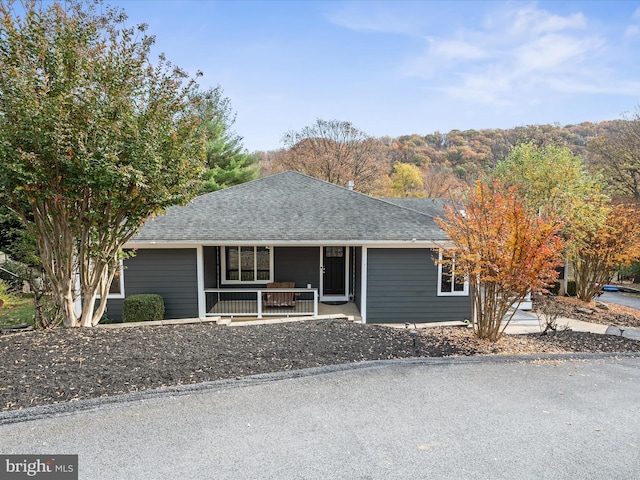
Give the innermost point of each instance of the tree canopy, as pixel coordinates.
(407, 181)
(617, 155)
(337, 152)
(613, 244)
(503, 248)
(551, 180)
(228, 163)
(94, 138)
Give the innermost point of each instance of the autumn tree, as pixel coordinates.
(440, 181)
(228, 162)
(504, 249)
(94, 139)
(601, 252)
(552, 180)
(337, 152)
(617, 156)
(556, 183)
(406, 181)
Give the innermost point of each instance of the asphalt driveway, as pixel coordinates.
(465, 418)
(620, 298)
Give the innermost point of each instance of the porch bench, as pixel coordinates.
(279, 299)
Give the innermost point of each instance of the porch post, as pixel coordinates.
(202, 298)
(315, 303)
(363, 286)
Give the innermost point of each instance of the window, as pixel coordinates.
(116, 289)
(449, 281)
(247, 265)
(334, 252)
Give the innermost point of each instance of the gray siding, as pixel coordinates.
(210, 255)
(297, 264)
(402, 287)
(357, 286)
(170, 273)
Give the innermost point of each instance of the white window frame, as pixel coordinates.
(223, 266)
(453, 293)
(120, 281)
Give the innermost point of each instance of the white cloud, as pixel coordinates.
(632, 31)
(517, 56)
(530, 20)
(457, 50)
(377, 17)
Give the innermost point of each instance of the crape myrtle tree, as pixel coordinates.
(94, 138)
(504, 249)
(603, 251)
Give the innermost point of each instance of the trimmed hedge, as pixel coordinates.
(143, 307)
(571, 288)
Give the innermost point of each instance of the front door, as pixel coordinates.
(334, 264)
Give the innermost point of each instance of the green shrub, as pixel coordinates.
(555, 289)
(571, 288)
(143, 307)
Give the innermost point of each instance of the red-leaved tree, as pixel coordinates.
(505, 250)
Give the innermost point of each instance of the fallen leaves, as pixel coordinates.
(43, 367)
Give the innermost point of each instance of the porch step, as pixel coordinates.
(269, 321)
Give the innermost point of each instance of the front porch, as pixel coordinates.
(348, 310)
(249, 302)
(239, 305)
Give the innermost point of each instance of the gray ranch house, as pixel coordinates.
(285, 244)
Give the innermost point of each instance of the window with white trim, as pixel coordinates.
(116, 289)
(247, 264)
(450, 282)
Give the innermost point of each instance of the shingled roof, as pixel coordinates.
(289, 208)
(430, 206)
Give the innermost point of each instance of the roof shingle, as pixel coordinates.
(289, 207)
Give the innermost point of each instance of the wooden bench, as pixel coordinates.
(279, 299)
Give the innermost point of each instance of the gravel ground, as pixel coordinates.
(62, 365)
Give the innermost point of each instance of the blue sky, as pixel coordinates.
(404, 67)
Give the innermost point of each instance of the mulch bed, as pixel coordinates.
(62, 365)
(604, 313)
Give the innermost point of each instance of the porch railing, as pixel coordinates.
(244, 302)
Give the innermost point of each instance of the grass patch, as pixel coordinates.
(17, 310)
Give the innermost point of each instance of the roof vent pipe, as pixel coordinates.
(350, 184)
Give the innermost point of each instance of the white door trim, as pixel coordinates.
(335, 298)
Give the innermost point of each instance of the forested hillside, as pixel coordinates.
(469, 150)
(448, 161)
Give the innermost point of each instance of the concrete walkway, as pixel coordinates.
(527, 322)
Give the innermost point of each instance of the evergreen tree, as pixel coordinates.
(228, 162)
